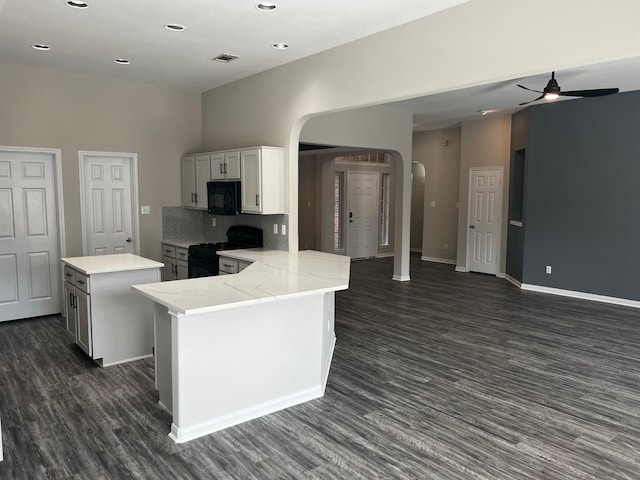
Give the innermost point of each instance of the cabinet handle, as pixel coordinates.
(81, 281)
(257, 199)
(192, 201)
(225, 168)
(221, 168)
(196, 198)
(68, 275)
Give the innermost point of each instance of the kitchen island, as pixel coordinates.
(235, 347)
(105, 318)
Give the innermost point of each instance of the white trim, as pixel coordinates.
(325, 378)
(126, 360)
(515, 223)
(401, 278)
(56, 154)
(461, 269)
(384, 255)
(135, 201)
(499, 239)
(581, 295)
(501, 275)
(510, 279)
(180, 435)
(438, 260)
(416, 250)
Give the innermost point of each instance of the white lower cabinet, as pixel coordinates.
(106, 319)
(176, 263)
(229, 266)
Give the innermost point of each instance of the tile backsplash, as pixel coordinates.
(180, 223)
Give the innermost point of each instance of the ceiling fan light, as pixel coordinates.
(551, 96)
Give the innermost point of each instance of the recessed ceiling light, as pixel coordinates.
(40, 46)
(266, 6)
(75, 4)
(280, 46)
(225, 58)
(174, 27)
(122, 61)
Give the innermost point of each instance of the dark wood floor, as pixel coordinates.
(449, 376)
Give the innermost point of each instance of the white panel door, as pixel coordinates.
(108, 203)
(484, 220)
(362, 216)
(29, 250)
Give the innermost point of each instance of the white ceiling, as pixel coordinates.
(87, 42)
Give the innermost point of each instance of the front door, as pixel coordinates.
(485, 206)
(362, 214)
(29, 247)
(109, 214)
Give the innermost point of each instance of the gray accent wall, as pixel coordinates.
(583, 196)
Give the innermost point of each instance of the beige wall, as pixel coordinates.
(48, 109)
(472, 44)
(439, 152)
(417, 204)
(307, 203)
(484, 143)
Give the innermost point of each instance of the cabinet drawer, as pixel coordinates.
(242, 265)
(82, 282)
(182, 254)
(168, 251)
(69, 274)
(228, 265)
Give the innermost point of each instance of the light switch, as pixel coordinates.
(283, 229)
(275, 228)
(145, 210)
(213, 222)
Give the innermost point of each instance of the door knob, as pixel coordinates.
(472, 226)
(129, 240)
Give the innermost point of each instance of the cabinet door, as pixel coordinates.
(70, 303)
(217, 166)
(189, 181)
(83, 337)
(182, 272)
(250, 167)
(202, 175)
(169, 270)
(232, 165)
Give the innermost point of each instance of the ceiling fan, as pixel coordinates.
(552, 91)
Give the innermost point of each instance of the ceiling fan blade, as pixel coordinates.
(598, 92)
(527, 88)
(534, 100)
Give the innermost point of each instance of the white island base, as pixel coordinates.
(233, 348)
(215, 370)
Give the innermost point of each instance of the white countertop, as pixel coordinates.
(182, 243)
(273, 275)
(110, 263)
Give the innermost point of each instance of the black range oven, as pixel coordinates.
(204, 260)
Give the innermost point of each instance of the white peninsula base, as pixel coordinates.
(241, 346)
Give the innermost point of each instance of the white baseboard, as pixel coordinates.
(126, 360)
(325, 378)
(401, 278)
(416, 250)
(510, 279)
(581, 295)
(384, 255)
(180, 435)
(461, 269)
(438, 260)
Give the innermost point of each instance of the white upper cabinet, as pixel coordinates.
(259, 169)
(225, 165)
(196, 172)
(262, 180)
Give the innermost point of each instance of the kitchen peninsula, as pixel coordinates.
(235, 347)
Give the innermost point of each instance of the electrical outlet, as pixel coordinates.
(548, 269)
(283, 229)
(213, 221)
(446, 246)
(275, 228)
(457, 204)
(145, 210)
(433, 203)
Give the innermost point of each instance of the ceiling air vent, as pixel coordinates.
(225, 58)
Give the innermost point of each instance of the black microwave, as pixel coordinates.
(223, 198)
